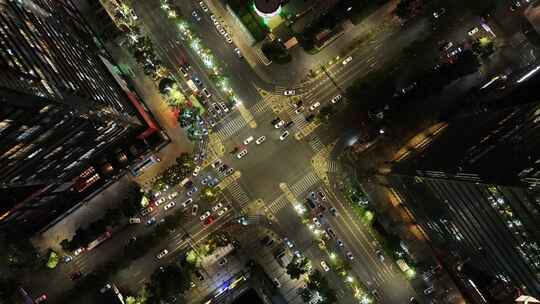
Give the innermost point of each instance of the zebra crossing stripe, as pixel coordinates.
(316, 144)
(231, 127)
(259, 107)
(304, 184)
(238, 193)
(333, 166)
(278, 204)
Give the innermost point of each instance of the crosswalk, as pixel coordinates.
(316, 144)
(333, 166)
(231, 127)
(259, 107)
(304, 184)
(298, 119)
(239, 195)
(278, 204)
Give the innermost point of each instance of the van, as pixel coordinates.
(134, 220)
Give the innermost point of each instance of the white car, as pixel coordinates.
(134, 220)
(316, 222)
(350, 256)
(220, 29)
(196, 16)
(173, 195)
(299, 110)
(228, 37)
(284, 135)
(242, 153)
(212, 17)
(473, 31)
(217, 207)
(194, 209)
(315, 106)
(163, 253)
(238, 53)
(222, 211)
(217, 163)
(279, 124)
(336, 98)
(248, 140)
(325, 266)
(196, 170)
(78, 251)
(205, 215)
(347, 60)
(260, 140)
(276, 282)
(289, 92)
(160, 201)
(203, 6)
(169, 205)
(187, 202)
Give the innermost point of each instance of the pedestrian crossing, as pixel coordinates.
(298, 119)
(304, 184)
(259, 107)
(239, 195)
(278, 204)
(333, 166)
(231, 127)
(316, 144)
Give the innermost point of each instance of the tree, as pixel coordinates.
(209, 194)
(65, 245)
(407, 9)
(112, 217)
(168, 281)
(276, 52)
(297, 267)
(483, 47)
(305, 294)
(317, 282)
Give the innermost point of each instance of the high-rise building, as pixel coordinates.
(60, 107)
(474, 190)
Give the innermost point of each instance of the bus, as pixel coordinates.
(139, 167)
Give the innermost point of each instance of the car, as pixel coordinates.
(315, 106)
(325, 266)
(340, 243)
(173, 195)
(349, 255)
(413, 300)
(446, 45)
(196, 16)
(229, 171)
(199, 275)
(260, 140)
(169, 205)
(187, 202)
(212, 123)
(163, 253)
(347, 60)
(220, 29)
(380, 254)
(276, 282)
(267, 240)
(299, 110)
(184, 71)
(105, 288)
(289, 92)
(213, 182)
(205, 215)
(298, 104)
(279, 124)
(217, 207)
(321, 195)
(284, 135)
(311, 203)
(193, 190)
(206, 93)
(205, 180)
(288, 242)
(316, 222)
(203, 6)
(67, 258)
(242, 154)
(313, 195)
(238, 53)
(275, 121)
(228, 38)
(224, 167)
(223, 210)
(146, 211)
(78, 251)
(151, 221)
(336, 98)
(216, 163)
(438, 13)
(134, 220)
(248, 140)
(213, 17)
(222, 261)
(331, 232)
(209, 220)
(333, 211)
(223, 106)
(310, 117)
(160, 201)
(429, 290)
(288, 124)
(216, 108)
(473, 31)
(42, 298)
(75, 276)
